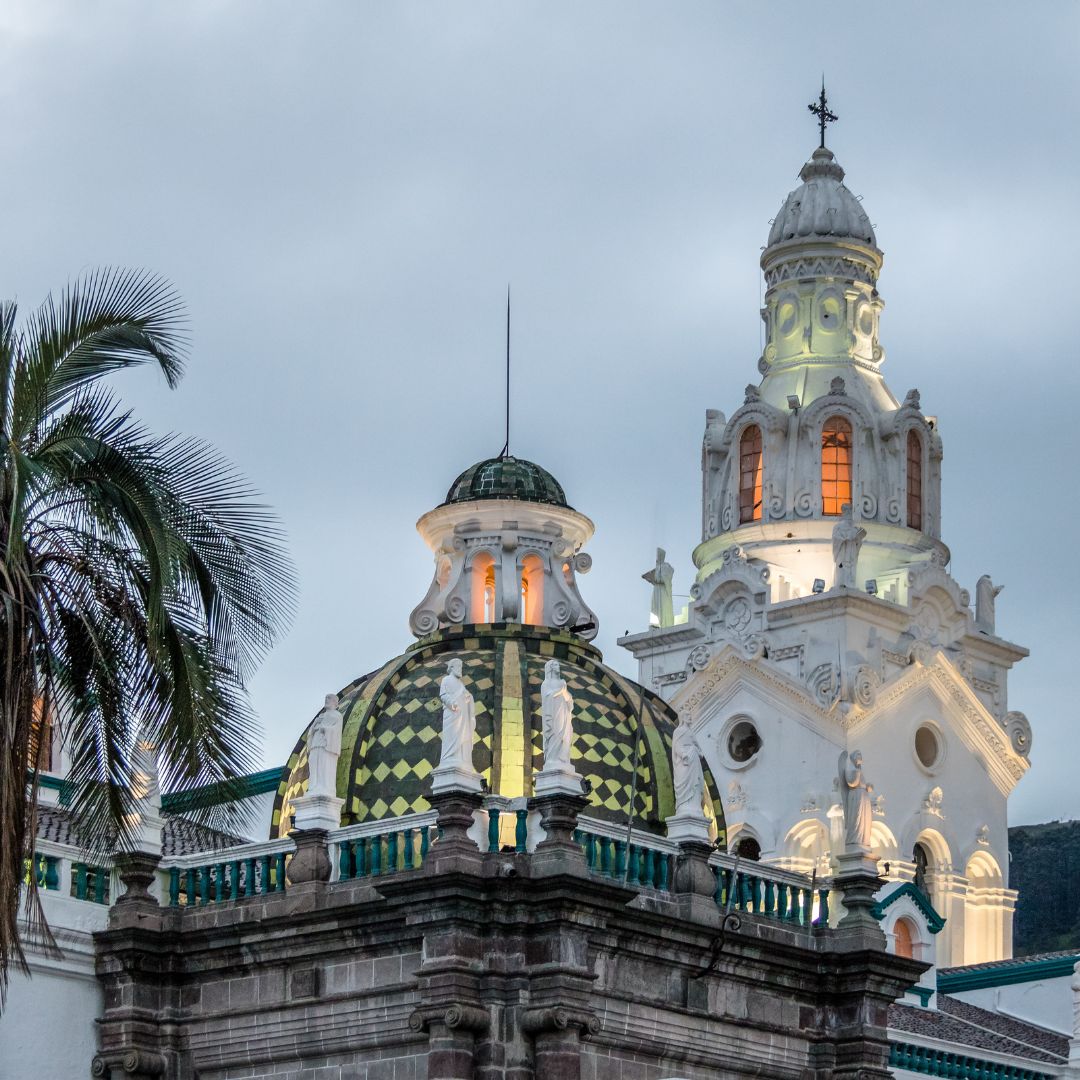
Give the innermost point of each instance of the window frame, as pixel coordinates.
(753, 505)
(837, 499)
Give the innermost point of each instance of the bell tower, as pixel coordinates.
(822, 616)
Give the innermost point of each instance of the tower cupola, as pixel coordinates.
(507, 549)
(822, 429)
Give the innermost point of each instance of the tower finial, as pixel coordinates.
(505, 451)
(820, 109)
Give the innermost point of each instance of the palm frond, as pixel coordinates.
(141, 580)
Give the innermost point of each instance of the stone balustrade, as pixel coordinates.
(214, 877)
(382, 847)
(65, 870)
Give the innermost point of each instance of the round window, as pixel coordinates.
(743, 741)
(927, 746)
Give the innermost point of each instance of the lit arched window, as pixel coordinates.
(750, 475)
(835, 465)
(532, 590)
(904, 939)
(914, 481)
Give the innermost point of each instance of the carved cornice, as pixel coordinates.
(981, 725)
(728, 664)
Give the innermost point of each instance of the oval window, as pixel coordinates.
(743, 742)
(927, 746)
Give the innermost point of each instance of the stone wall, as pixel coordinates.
(498, 967)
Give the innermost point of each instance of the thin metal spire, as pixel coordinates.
(820, 109)
(505, 452)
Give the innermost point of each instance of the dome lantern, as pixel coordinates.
(507, 549)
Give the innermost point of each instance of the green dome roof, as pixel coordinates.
(393, 718)
(506, 478)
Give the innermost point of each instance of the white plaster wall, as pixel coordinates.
(1044, 1002)
(49, 1016)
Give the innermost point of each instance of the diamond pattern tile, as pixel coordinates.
(393, 718)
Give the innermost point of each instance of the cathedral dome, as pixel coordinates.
(506, 477)
(393, 718)
(821, 206)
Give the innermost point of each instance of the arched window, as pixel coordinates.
(532, 590)
(914, 481)
(750, 475)
(904, 939)
(921, 858)
(835, 465)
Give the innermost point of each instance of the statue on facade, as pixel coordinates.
(324, 748)
(847, 538)
(458, 720)
(661, 611)
(688, 776)
(855, 795)
(985, 596)
(557, 715)
(713, 459)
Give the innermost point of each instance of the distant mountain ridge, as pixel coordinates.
(1044, 866)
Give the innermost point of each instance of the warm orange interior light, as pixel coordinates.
(902, 936)
(835, 465)
(750, 475)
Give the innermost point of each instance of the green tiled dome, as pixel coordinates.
(393, 717)
(507, 478)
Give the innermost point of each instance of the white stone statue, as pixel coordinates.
(847, 538)
(458, 720)
(985, 595)
(324, 748)
(557, 716)
(688, 776)
(660, 577)
(855, 795)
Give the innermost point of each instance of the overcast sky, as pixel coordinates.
(341, 192)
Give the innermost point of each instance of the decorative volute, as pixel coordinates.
(507, 548)
(822, 429)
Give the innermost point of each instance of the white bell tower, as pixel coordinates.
(823, 617)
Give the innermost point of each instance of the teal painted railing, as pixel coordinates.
(228, 879)
(45, 870)
(630, 862)
(384, 852)
(757, 894)
(90, 882)
(921, 1059)
(521, 829)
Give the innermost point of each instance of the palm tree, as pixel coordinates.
(140, 582)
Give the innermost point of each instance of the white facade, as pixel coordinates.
(802, 641)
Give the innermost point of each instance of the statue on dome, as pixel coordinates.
(324, 748)
(847, 538)
(689, 779)
(557, 715)
(855, 795)
(985, 596)
(660, 577)
(458, 720)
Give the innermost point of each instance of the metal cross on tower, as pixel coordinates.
(820, 108)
